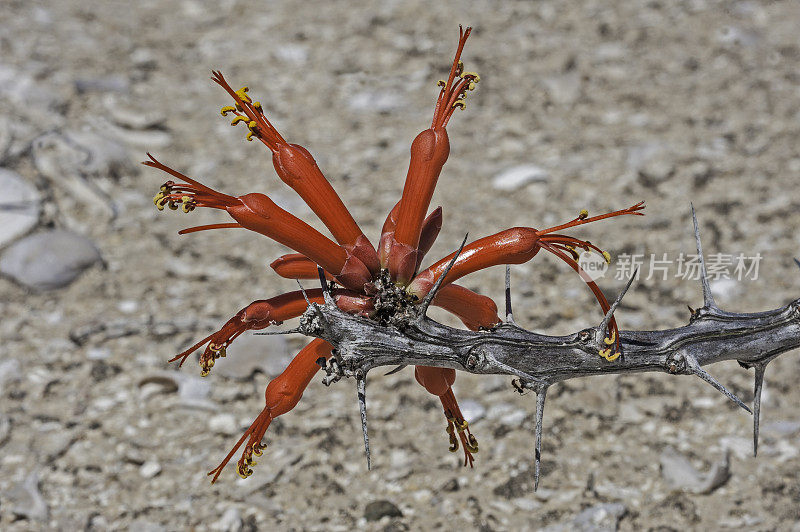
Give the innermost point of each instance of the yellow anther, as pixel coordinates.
(471, 86)
(461, 427)
(613, 357)
(157, 198)
(460, 103)
(239, 119)
(612, 339)
(474, 75)
(258, 449)
(257, 106)
(583, 214)
(204, 372)
(607, 256)
(605, 353)
(441, 83)
(459, 68)
(453, 444)
(252, 124)
(187, 207)
(245, 472)
(249, 136)
(238, 107)
(242, 94)
(227, 109)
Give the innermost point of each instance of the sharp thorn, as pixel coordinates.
(757, 388)
(541, 394)
(362, 405)
(703, 374)
(395, 370)
(423, 307)
(613, 308)
(509, 315)
(708, 298)
(326, 293)
(303, 290)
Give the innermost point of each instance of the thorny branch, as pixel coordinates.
(537, 361)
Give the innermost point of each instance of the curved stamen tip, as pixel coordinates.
(608, 355)
(242, 94)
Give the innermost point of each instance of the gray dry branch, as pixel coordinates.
(537, 361)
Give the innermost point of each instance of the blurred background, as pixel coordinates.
(592, 105)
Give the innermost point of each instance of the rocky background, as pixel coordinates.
(591, 105)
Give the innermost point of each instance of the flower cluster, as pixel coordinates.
(381, 283)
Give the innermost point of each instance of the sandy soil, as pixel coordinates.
(668, 102)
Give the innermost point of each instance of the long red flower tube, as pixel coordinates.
(381, 284)
(298, 169)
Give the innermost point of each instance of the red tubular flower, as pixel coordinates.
(429, 152)
(282, 394)
(518, 245)
(476, 311)
(512, 246)
(263, 313)
(297, 266)
(298, 169)
(260, 214)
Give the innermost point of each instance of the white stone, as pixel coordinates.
(472, 410)
(517, 177)
(48, 260)
(224, 424)
(150, 469)
(19, 206)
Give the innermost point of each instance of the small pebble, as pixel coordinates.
(26, 499)
(378, 509)
(679, 473)
(516, 177)
(230, 521)
(19, 206)
(150, 469)
(472, 410)
(223, 424)
(599, 518)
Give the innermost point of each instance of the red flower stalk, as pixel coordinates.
(298, 169)
(429, 152)
(260, 214)
(378, 285)
(261, 314)
(281, 395)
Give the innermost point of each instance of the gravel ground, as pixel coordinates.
(668, 102)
